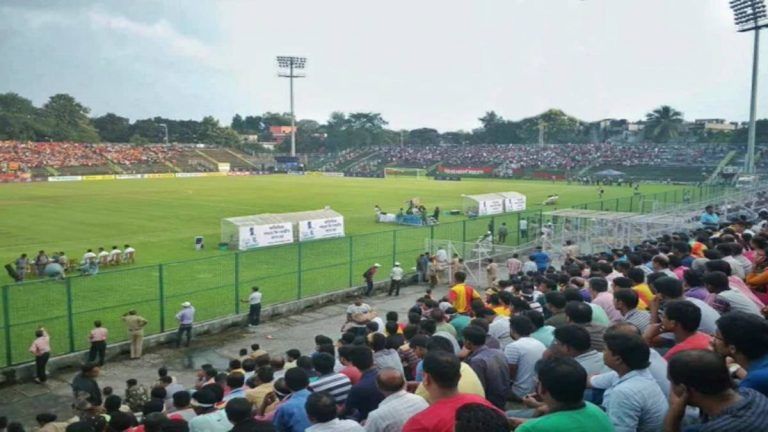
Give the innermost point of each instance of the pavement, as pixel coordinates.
(22, 402)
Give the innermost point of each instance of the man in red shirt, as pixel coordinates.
(441, 379)
(682, 319)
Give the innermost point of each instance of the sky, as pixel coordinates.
(424, 63)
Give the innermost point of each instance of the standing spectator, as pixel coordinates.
(321, 410)
(41, 260)
(541, 259)
(489, 364)
(238, 412)
(701, 379)
(503, 232)
(423, 265)
(98, 339)
(368, 276)
(254, 307)
(396, 279)
(491, 272)
(41, 349)
(358, 314)
(135, 324)
(461, 295)
(84, 385)
(398, 405)
(22, 265)
(522, 355)
(185, 317)
(291, 415)
(364, 396)
(441, 379)
(744, 337)
(562, 382)
(523, 229)
(709, 218)
(634, 403)
(514, 265)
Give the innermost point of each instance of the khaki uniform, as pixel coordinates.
(135, 324)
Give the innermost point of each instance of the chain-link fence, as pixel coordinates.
(215, 285)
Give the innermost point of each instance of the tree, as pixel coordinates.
(69, 119)
(423, 136)
(113, 128)
(20, 120)
(761, 133)
(663, 124)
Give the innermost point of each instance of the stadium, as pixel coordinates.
(270, 272)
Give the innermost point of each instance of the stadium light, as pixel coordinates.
(288, 66)
(750, 15)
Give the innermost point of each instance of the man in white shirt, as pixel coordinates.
(395, 279)
(254, 307)
(398, 405)
(514, 265)
(322, 413)
(522, 355)
(89, 256)
(208, 419)
(103, 256)
(129, 254)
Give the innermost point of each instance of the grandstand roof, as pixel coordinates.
(295, 217)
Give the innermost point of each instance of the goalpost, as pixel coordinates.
(395, 172)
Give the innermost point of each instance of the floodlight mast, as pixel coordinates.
(750, 15)
(288, 66)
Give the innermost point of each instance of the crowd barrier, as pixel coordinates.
(216, 284)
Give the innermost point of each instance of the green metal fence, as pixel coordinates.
(67, 308)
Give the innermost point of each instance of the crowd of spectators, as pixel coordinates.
(66, 154)
(670, 335)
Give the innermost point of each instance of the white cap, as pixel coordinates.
(186, 304)
(377, 265)
(397, 264)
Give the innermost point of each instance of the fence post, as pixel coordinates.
(617, 204)
(298, 272)
(432, 232)
(464, 231)
(237, 282)
(7, 325)
(351, 261)
(517, 236)
(394, 246)
(675, 198)
(161, 293)
(70, 318)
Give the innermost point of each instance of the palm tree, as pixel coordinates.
(663, 123)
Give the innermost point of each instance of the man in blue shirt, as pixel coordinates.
(291, 415)
(744, 337)
(541, 259)
(364, 396)
(709, 218)
(701, 379)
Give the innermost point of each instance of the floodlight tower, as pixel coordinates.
(165, 129)
(750, 15)
(288, 66)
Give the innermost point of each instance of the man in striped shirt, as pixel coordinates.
(397, 407)
(625, 301)
(701, 379)
(336, 384)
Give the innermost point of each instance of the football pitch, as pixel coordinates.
(160, 217)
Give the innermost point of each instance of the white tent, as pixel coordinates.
(493, 203)
(248, 232)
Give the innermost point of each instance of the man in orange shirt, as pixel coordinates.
(461, 295)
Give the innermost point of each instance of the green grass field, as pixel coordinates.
(160, 217)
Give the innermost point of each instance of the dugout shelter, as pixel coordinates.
(270, 229)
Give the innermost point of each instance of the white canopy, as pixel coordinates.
(269, 229)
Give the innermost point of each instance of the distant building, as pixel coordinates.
(250, 138)
(714, 125)
(280, 133)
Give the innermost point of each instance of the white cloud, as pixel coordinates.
(159, 32)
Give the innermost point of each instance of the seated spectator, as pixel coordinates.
(744, 338)
(626, 301)
(441, 379)
(701, 379)
(238, 412)
(182, 408)
(561, 386)
(469, 383)
(573, 341)
(208, 418)
(670, 290)
(382, 356)
(682, 318)
(480, 418)
(260, 385)
(522, 355)
(727, 299)
(398, 405)
(580, 313)
(634, 402)
(598, 289)
(321, 410)
(542, 332)
(489, 364)
(291, 415)
(337, 385)
(364, 396)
